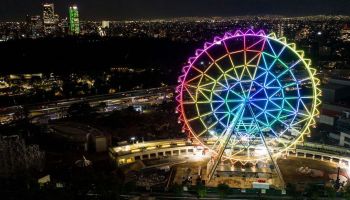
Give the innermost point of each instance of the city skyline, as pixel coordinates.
(136, 9)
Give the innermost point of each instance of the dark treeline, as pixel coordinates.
(159, 60)
(91, 53)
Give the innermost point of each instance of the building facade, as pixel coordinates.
(50, 19)
(34, 26)
(74, 26)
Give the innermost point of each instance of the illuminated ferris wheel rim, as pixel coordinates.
(272, 37)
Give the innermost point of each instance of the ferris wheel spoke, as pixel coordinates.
(255, 93)
(250, 87)
(291, 106)
(268, 85)
(288, 68)
(277, 119)
(284, 98)
(217, 82)
(271, 48)
(209, 86)
(199, 76)
(206, 96)
(258, 79)
(258, 99)
(217, 107)
(265, 61)
(236, 108)
(219, 67)
(258, 107)
(291, 84)
(227, 75)
(300, 122)
(231, 61)
(242, 89)
(197, 69)
(212, 125)
(255, 57)
(248, 65)
(190, 94)
(199, 116)
(195, 102)
(227, 52)
(305, 107)
(226, 80)
(276, 135)
(206, 130)
(262, 40)
(234, 100)
(304, 79)
(218, 95)
(280, 52)
(236, 94)
(275, 104)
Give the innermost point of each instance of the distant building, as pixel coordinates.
(105, 24)
(335, 112)
(333, 92)
(50, 19)
(64, 25)
(34, 26)
(74, 26)
(280, 30)
(327, 119)
(343, 138)
(345, 33)
(101, 143)
(343, 123)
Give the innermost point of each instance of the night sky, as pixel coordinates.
(136, 9)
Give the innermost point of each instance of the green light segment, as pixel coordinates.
(74, 26)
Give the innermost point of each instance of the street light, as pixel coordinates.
(133, 139)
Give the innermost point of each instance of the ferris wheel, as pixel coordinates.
(248, 96)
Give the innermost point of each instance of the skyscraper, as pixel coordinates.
(34, 26)
(49, 18)
(74, 27)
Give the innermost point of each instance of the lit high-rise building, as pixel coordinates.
(34, 26)
(74, 27)
(280, 30)
(63, 25)
(49, 18)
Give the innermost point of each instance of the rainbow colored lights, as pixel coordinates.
(261, 83)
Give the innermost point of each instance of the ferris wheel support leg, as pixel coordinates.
(273, 162)
(222, 146)
(268, 150)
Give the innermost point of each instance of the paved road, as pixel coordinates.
(42, 109)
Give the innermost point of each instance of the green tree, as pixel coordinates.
(291, 190)
(78, 110)
(176, 189)
(201, 190)
(129, 187)
(347, 192)
(330, 192)
(223, 190)
(314, 191)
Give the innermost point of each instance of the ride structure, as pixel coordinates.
(248, 97)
